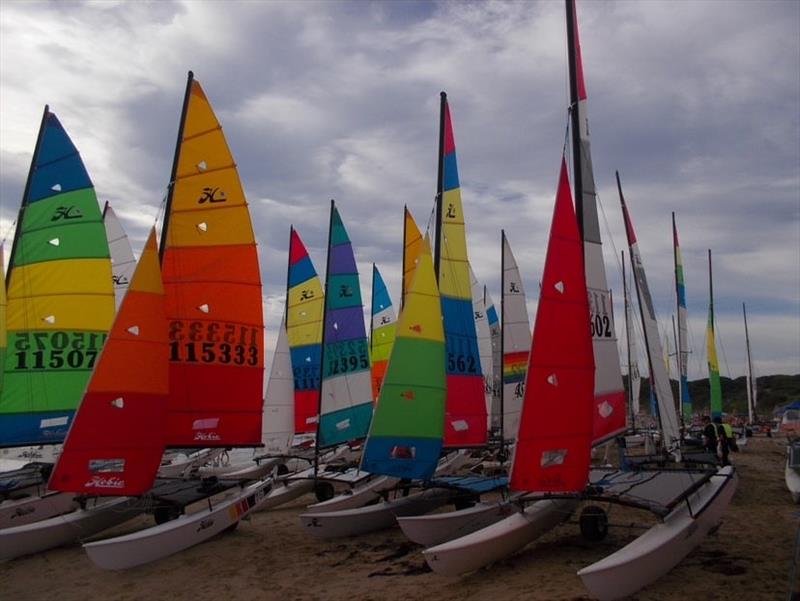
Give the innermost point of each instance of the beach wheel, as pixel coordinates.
(166, 513)
(324, 491)
(594, 523)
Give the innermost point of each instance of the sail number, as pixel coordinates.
(345, 356)
(213, 342)
(461, 364)
(600, 326)
(57, 350)
(600, 316)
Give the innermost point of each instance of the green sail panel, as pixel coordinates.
(60, 294)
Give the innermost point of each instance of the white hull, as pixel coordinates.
(356, 497)
(664, 545)
(246, 470)
(499, 540)
(157, 542)
(361, 520)
(67, 528)
(793, 482)
(429, 530)
(285, 492)
(180, 465)
(35, 508)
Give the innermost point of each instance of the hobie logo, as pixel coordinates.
(408, 395)
(605, 409)
(416, 328)
(207, 436)
(105, 482)
(206, 424)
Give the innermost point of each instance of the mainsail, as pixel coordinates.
(713, 365)
(278, 427)
(117, 438)
(497, 358)
(305, 305)
(60, 295)
(212, 282)
(484, 341)
(684, 397)
(634, 377)
(465, 419)
(345, 406)
(405, 439)
(382, 329)
(555, 432)
(123, 263)
(609, 394)
(516, 337)
(412, 247)
(659, 377)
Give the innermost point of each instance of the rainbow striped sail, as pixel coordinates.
(465, 420)
(405, 439)
(382, 330)
(60, 295)
(305, 304)
(683, 331)
(713, 365)
(116, 441)
(212, 283)
(123, 263)
(516, 342)
(346, 392)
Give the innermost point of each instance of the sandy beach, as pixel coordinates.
(270, 557)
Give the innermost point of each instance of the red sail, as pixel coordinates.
(555, 431)
(115, 444)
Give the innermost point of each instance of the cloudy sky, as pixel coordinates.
(696, 103)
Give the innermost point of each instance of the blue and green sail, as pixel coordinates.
(60, 294)
(346, 391)
(405, 439)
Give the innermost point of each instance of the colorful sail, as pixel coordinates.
(117, 438)
(60, 295)
(713, 365)
(3, 313)
(497, 359)
(609, 415)
(405, 439)
(555, 431)
(465, 420)
(659, 376)
(346, 393)
(484, 341)
(516, 342)
(382, 330)
(278, 427)
(412, 246)
(304, 330)
(123, 263)
(684, 397)
(213, 290)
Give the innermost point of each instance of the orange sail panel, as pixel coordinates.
(555, 432)
(116, 440)
(213, 290)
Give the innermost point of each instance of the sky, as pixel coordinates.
(696, 103)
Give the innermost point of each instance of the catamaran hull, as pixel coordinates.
(35, 508)
(663, 546)
(152, 544)
(793, 482)
(372, 518)
(68, 528)
(356, 497)
(499, 540)
(439, 528)
(283, 493)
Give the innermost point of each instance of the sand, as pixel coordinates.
(270, 557)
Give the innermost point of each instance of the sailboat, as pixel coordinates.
(634, 377)
(715, 386)
(685, 399)
(60, 304)
(382, 327)
(123, 262)
(752, 385)
(484, 342)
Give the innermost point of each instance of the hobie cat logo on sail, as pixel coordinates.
(105, 482)
(204, 425)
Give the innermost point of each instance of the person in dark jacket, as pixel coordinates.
(722, 437)
(709, 436)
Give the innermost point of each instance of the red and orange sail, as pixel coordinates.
(117, 438)
(213, 290)
(555, 432)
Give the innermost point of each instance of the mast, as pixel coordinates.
(288, 269)
(322, 346)
(577, 176)
(371, 308)
(25, 194)
(751, 381)
(171, 186)
(437, 247)
(502, 339)
(679, 407)
(628, 342)
(403, 272)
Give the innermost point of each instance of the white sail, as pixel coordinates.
(634, 377)
(122, 260)
(484, 342)
(516, 336)
(497, 357)
(278, 424)
(751, 379)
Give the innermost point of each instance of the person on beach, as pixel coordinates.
(723, 441)
(709, 436)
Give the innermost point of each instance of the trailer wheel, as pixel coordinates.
(594, 523)
(166, 513)
(282, 469)
(323, 491)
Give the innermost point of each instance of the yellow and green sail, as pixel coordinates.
(60, 294)
(713, 365)
(405, 438)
